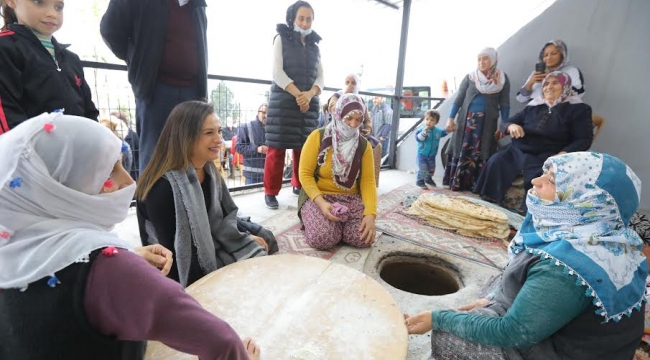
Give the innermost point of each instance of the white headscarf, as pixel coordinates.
(52, 213)
(356, 79)
(495, 79)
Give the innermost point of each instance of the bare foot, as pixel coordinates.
(252, 349)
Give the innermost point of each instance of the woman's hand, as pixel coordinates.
(304, 98)
(480, 303)
(498, 135)
(535, 77)
(158, 256)
(252, 349)
(418, 324)
(326, 208)
(451, 125)
(367, 229)
(260, 241)
(516, 131)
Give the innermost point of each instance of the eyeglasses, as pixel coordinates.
(262, 112)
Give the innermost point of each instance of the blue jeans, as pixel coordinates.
(151, 115)
(426, 167)
(254, 178)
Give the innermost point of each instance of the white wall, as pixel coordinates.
(609, 40)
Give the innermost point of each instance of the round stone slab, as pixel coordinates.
(301, 308)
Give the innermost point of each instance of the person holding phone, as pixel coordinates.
(553, 57)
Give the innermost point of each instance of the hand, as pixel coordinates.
(261, 242)
(326, 208)
(480, 303)
(304, 108)
(381, 138)
(561, 153)
(156, 255)
(262, 149)
(304, 98)
(498, 135)
(418, 324)
(535, 77)
(516, 131)
(367, 229)
(451, 125)
(252, 349)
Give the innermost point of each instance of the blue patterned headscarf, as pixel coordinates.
(585, 230)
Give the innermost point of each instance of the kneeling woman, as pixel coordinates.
(575, 284)
(339, 198)
(184, 204)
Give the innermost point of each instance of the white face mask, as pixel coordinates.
(302, 32)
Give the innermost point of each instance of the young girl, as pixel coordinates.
(38, 74)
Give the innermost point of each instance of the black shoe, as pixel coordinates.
(430, 182)
(296, 191)
(271, 202)
(421, 184)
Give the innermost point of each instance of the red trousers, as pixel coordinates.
(274, 167)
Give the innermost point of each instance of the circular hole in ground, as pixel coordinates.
(419, 276)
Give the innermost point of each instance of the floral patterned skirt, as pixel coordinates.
(462, 171)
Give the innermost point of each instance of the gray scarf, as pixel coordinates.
(214, 233)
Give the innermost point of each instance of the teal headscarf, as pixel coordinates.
(585, 230)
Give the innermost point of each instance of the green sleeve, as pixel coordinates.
(547, 301)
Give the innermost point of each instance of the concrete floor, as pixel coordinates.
(471, 277)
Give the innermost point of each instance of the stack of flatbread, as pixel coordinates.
(464, 217)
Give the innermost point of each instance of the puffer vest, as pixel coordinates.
(286, 126)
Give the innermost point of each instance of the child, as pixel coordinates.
(120, 129)
(38, 74)
(428, 138)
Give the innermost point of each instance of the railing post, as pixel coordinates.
(399, 83)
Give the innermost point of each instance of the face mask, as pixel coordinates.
(183, 2)
(302, 32)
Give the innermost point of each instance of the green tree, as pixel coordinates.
(223, 100)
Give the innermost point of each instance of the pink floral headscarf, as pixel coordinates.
(344, 141)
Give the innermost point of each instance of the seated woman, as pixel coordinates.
(71, 289)
(554, 56)
(555, 123)
(575, 284)
(184, 204)
(339, 197)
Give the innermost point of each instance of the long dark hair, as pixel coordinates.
(174, 147)
(293, 10)
(8, 14)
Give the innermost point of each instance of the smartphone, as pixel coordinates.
(540, 67)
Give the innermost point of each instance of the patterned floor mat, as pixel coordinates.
(291, 238)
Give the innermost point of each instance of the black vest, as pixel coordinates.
(286, 126)
(50, 323)
(583, 338)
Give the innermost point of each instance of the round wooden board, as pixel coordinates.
(301, 308)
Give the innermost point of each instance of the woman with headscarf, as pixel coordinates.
(575, 284)
(184, 203)
(339, 198)
(483, 94)
(294, 104)
(71, 289)
(556, 122)
(554, 56)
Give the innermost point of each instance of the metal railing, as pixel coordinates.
(111, 97)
